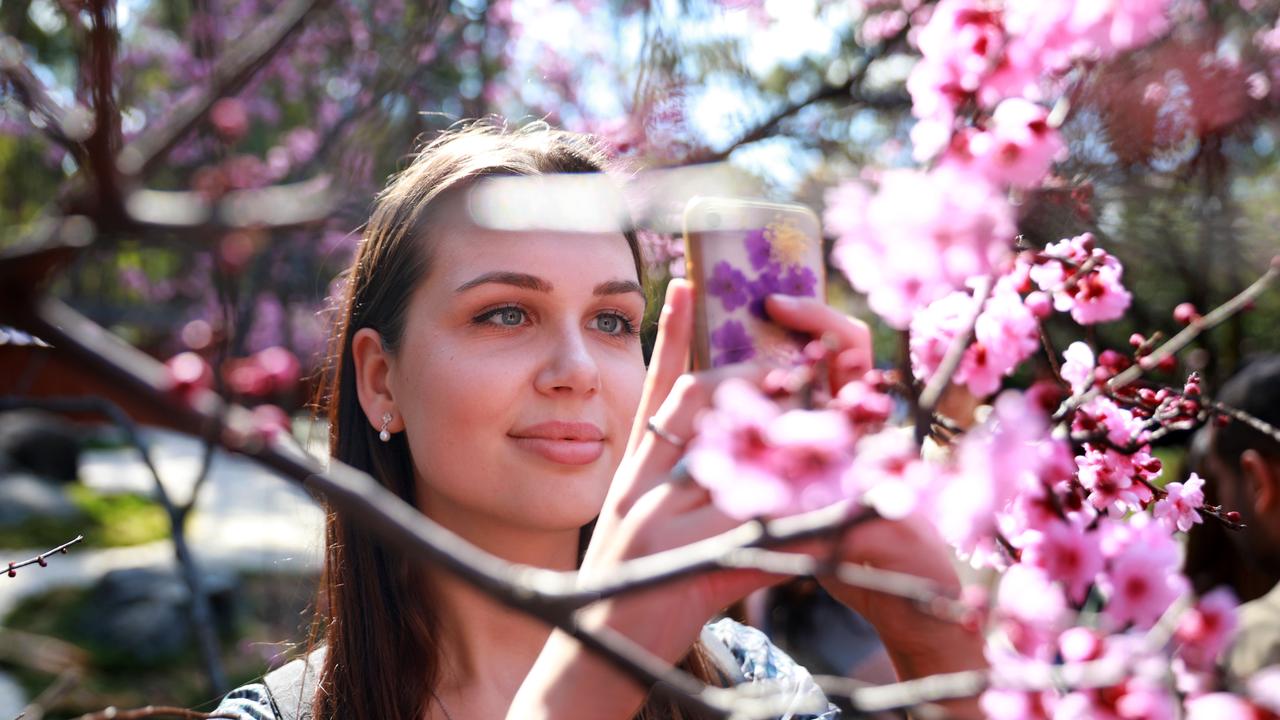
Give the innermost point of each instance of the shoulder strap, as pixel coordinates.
(292, 688)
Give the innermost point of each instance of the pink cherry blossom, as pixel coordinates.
(1001, 704)
(1102, 416)
(1219, 705)
(1033, 608)
(1069, 554)
(1142, 577)
(921, 236)
(888, 473)
(959, 46)
(1113, 480)
(1019, 146)
(1146, 701)
(1077, 366)
(757, 460)
(1179, 507)
(993, 459)
(1117, 25)
(1098, 295)
(1005, 334)
(1205, 630)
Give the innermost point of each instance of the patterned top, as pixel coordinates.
(758, 660)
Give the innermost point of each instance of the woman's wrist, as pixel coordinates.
(570, 681)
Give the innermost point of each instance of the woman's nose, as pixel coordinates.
(570, 367)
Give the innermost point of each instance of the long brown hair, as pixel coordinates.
(382, 633)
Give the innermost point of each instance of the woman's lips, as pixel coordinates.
(565, 452)
(567, 443)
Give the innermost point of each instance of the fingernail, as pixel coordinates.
(783, 300)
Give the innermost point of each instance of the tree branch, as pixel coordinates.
(42, 558)
(232, 71)
(1176, 343)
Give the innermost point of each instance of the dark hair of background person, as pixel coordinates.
(1216, 555)
(381, 630)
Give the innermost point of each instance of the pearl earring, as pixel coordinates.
(383, 434)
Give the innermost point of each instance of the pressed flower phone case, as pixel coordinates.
(737, 252)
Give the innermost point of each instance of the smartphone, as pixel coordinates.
(737, 252)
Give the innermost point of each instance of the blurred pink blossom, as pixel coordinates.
(1018, 147)
(992, 460)
(757, 460)
(1069, 554)
(1077, 368)
(1219, 705)
(1206, 630)
(1143, 575)
(921, 236)
(1005, 334)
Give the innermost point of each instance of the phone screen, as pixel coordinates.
(734, 270)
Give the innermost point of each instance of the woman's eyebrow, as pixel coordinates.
(617, 287)
(503, 277)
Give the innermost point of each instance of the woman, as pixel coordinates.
(494, 379)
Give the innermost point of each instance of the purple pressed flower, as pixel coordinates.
(728, 284)
(758, 248)
(768, 283)
(734, 342)
(799, 281)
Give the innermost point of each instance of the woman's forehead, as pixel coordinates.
(462, 250)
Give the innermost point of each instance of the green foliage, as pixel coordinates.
(106, 520)
(271, 609)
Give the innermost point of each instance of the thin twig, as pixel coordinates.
(850, 88)
(1176, 343)
(43, 558)
(201, 611)
(937, 385)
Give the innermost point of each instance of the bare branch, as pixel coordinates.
(932, 393)
(67, 128)
(201, 612)
(1177, 342)
(851, 89)
(43, 558)
(232, 71)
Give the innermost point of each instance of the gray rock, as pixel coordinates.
(45, 444)
(142, 615)
(23, 496)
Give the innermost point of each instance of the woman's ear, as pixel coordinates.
(1262, 483)
(373, 379)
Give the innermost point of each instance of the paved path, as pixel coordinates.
(246, 518)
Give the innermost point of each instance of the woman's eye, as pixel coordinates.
(505, 317)
(611, 324)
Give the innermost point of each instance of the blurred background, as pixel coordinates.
(214, 162)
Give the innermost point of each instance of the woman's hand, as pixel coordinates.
(919, 644)
(646, 512)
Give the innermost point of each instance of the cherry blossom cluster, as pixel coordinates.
(1057, 488)
(988, 71)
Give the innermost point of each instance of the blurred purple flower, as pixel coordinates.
(728, 284)
(758, 248)
(799, 281)
(734, 342)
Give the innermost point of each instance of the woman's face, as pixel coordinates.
(519, 373)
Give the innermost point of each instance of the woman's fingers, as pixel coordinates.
(852, 336)
(670, 354)
(674, 421)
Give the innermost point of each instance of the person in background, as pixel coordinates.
(1243, 464)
